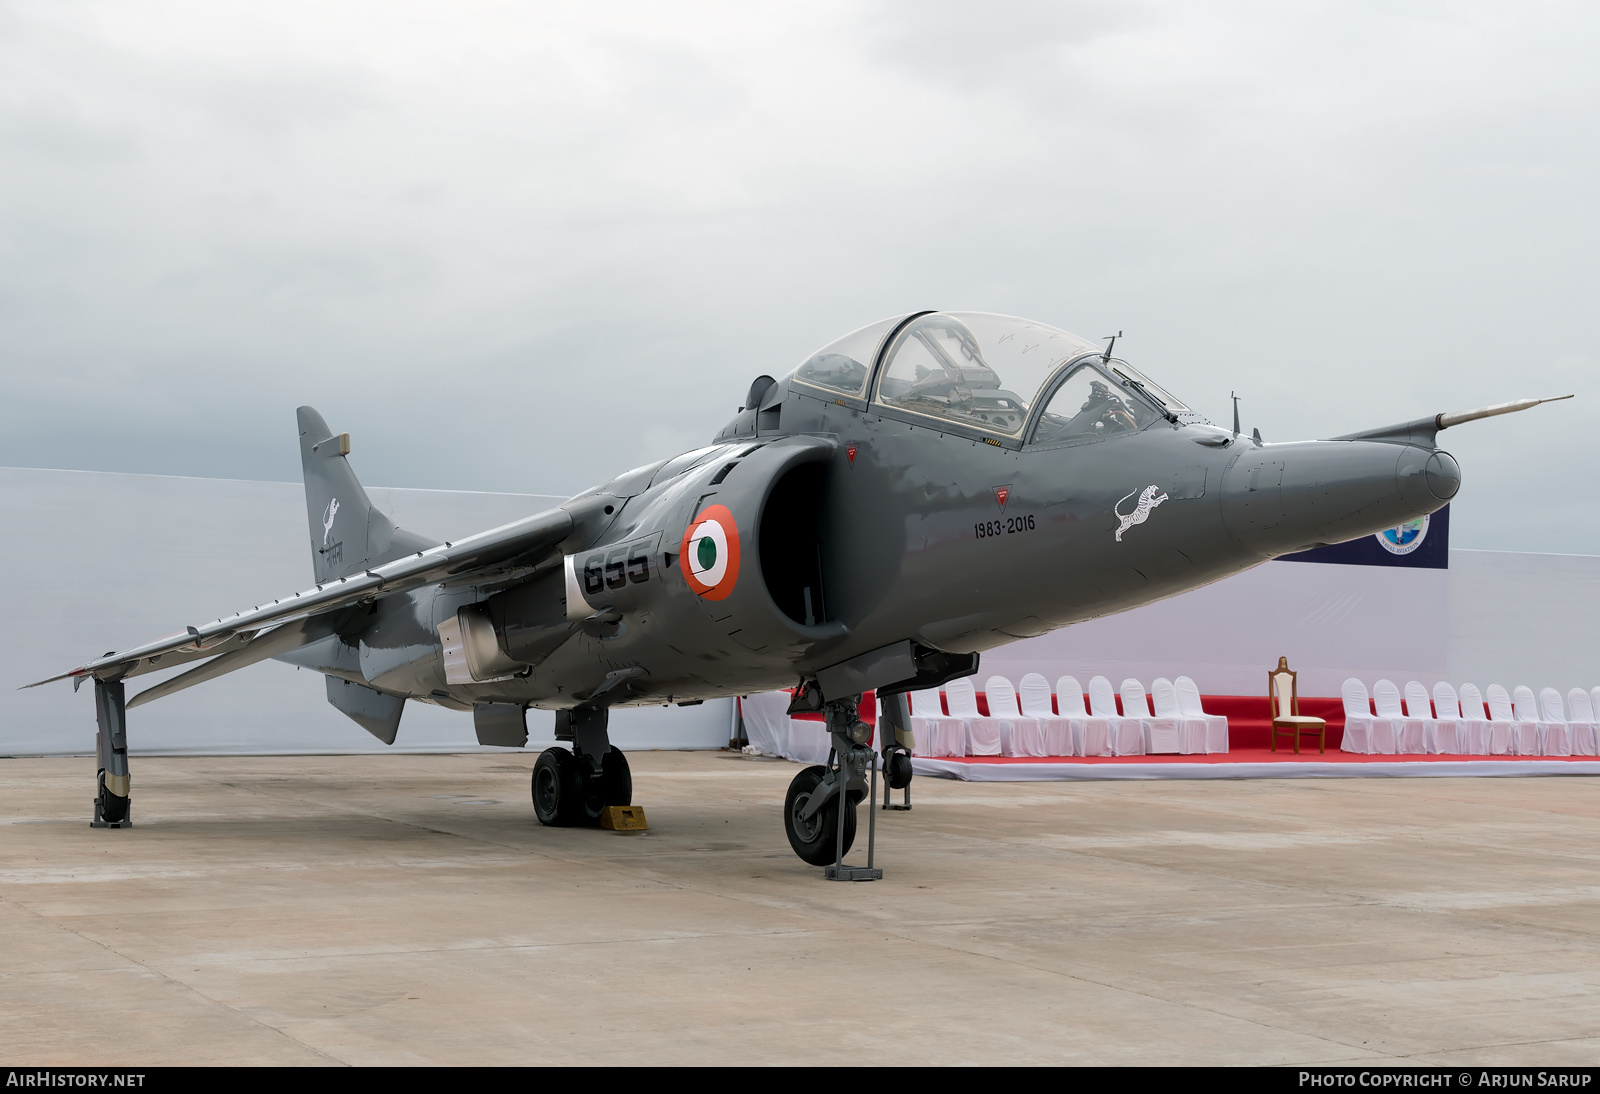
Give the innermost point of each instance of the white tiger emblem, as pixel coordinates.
(333, 509)
(1149, 498)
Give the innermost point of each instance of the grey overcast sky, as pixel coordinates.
(523, 247)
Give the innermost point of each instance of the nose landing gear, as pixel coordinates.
(819, 811)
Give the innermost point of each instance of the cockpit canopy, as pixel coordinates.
(985, 371)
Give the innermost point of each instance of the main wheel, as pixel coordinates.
(616, 780)
(558, 788)
(816, 840)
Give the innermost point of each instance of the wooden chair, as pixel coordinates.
(1283, 695)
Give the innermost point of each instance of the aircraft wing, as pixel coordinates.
(483, 555)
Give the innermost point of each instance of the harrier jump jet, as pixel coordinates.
(923, 489)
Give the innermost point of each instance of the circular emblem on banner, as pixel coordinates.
(1404, 539)
(709, 554)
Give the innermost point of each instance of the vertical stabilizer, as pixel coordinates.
(347, 534)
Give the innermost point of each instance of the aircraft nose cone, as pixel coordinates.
(1443, 475)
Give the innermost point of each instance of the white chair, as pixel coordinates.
(1554, 731)
(1035, 694)
(1127, 733)
(935, 733)
(1449, 733)
(1159, 735)
(1475, 728)
(1403, 732)
(1502, 723)
(983, 734)
(1189, 703)
(1191, 730)
(1419, 707)
(1019, 736)
(1585, 733)
(1526, 711)
(1359, 724)
(1091, 736)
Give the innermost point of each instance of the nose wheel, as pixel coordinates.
(814, 833)
(819, 811)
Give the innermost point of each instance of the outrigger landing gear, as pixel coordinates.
(819, 811)
(572, 789)
(896, 742)
(113, 807)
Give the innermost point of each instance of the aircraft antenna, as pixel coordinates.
(1234, 395)
(1112, 341)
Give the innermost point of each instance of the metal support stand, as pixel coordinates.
(854, 758)
(112, 805)
(887, 804)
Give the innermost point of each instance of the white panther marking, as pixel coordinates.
(1149, 498)
(333, 508)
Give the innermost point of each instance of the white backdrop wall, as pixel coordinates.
(95, 561)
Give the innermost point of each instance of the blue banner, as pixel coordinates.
(1423, 543)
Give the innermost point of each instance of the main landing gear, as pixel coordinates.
(572, 789)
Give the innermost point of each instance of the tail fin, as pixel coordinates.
(347, 534)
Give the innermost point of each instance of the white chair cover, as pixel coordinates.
(1525, 709)
(1585, 733)
(1191, 730)
(935, 733)
(1159, 735)
(1450, 733)
(1189, 703)
(1127, 733)
(1419, 706)
(1554, 731)
(1359, 723)
(1502, 723)
(1475, 729)
(1019, 736)
(983, 734)
(1091, 736)
(1391, 734)
(1035, 695)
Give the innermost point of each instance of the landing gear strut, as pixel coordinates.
(573, 789)
(819, 811)
(113, 808)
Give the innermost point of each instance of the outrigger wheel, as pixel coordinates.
(568, 793)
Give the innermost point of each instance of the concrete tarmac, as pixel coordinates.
(409, 910)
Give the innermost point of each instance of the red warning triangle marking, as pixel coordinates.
(1001, 493)
(850, 452)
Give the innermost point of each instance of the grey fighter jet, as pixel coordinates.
(923, 489)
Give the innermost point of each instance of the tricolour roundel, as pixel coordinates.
(709, 554)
